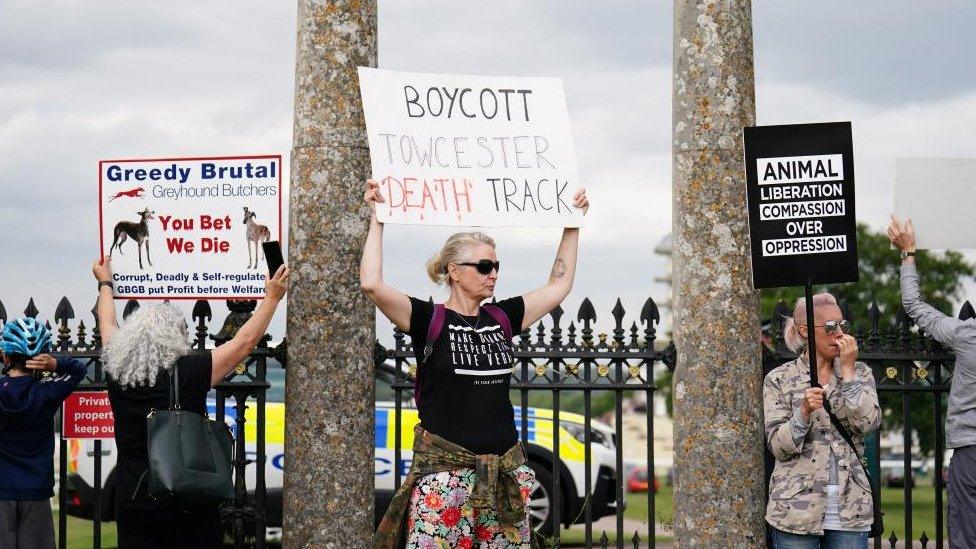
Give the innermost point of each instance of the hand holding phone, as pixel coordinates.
(272, 254)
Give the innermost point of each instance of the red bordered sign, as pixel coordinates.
(88, 415)
(189, 228)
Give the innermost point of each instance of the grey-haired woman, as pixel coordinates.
(137, 359)
(819, 494)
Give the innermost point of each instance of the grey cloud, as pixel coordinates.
(879, 51)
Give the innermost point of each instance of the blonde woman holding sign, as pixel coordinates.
(466, 437)
(819, 493)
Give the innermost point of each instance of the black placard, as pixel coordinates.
(800, 188)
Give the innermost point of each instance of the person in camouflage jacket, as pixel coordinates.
(818, 490)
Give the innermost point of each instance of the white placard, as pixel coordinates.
(189, 228)
(939, 194)
(470, 150)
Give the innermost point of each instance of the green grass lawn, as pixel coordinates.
(892, 503)
(80, 533)
(636, 510)
(923, 511)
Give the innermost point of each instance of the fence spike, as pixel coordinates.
(130, 307)
(966, 311)
(604, 540)
(81, 335)
(650, 313)
(618, 314)
(924, 540)
(201, 311)
(874, 315)
(893, 540)
(556, 335)
(586, 311)
(31, 309)
(556, 315)
(64, 311)
(636, 539)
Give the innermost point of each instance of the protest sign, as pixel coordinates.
(939, 195)
(800, 190)
(87, 414)
(470, 150)
(189, 228)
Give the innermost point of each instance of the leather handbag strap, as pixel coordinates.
(174, 387)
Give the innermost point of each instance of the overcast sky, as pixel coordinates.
(83, 81)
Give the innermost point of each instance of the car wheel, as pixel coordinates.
(540, 500)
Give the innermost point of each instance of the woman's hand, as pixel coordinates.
(580, 201)
(372, 195)
(44, 363)
(902, 235)
(813, 399)
(103, 270)
(848, 356)
(276, 286)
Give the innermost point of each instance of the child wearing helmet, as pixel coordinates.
(27, 407)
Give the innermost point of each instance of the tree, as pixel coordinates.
(942, 277)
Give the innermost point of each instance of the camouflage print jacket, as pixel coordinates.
(797, 489)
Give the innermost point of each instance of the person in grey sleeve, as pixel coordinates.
(960, 429)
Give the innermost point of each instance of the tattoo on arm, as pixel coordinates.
(558, 268)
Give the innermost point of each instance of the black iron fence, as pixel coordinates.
(559, 364)
(913, 375)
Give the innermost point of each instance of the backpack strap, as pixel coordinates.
(500, 317)
(434, 330)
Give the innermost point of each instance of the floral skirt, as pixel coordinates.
(440, 516)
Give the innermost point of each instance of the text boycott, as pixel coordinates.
(470, 150)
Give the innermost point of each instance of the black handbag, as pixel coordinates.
(190, 456)
(877, 527)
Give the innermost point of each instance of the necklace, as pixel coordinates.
(477, 322)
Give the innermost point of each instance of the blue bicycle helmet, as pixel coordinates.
(25, 336)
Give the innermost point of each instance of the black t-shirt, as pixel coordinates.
(463, 387)
(131, 405)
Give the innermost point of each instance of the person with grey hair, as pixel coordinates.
(960, 422)
(819, 493)
(466, 437)
(137, 358)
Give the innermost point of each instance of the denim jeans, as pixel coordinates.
(832, 539)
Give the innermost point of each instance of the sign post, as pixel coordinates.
(800, 189)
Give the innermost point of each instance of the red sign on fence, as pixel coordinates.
(88, 414)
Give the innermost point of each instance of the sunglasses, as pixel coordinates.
(484, 266)
(831, 326)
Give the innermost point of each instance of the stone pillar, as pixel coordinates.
(718, 488)
(328, 489)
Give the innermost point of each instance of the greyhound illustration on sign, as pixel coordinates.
(256, 234)
(137, 231)
(131, 193)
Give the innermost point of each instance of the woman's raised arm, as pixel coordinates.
(393, 303)
(541, 301)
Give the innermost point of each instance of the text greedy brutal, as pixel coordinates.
(259, 178)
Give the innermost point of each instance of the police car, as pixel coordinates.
(80, 474)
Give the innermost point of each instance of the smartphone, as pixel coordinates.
(272, 254)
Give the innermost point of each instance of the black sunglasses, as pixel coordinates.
(484, 266)
(831, 326)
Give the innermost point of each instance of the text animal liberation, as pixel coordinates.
(802, 177)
